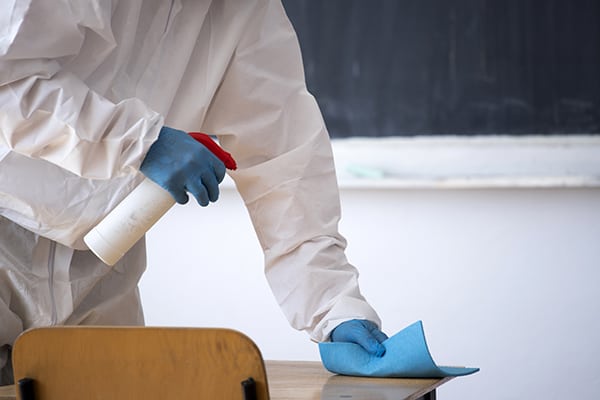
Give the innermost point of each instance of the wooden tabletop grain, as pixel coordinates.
(308, 380)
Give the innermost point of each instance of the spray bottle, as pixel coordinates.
(138, 212)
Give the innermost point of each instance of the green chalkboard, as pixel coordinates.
(452, 67)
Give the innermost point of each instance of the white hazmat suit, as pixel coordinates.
(85, 87)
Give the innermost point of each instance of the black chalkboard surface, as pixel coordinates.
(452, 67)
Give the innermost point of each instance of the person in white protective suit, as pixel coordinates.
(90, 89)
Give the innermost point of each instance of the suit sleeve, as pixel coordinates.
(47, 111)
(67, 153)
(286, 175)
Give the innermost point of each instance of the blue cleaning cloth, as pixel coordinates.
(406, 356)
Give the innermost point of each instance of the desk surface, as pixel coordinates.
(308, 380)
(7, 392)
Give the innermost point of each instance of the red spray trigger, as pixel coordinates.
(215, 149)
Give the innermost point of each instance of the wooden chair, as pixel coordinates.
(138, 363)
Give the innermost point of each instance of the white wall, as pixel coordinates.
(503, 279)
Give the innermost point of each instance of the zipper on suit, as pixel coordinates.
(51, 259)
(169, 16)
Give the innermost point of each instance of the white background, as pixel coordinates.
(503, 271)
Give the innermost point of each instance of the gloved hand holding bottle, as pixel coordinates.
(179, 164)
(176, 163)
(362, 332)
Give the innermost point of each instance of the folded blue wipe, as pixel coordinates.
(406, 356)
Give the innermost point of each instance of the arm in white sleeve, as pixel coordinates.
(47, 111)
(286, 176)
(68, 152)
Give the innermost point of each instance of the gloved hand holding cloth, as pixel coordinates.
(353, 351)
(362, 332)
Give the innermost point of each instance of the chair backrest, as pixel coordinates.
(138, 363)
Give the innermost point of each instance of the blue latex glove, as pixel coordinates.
(179, 164)
(362, 332)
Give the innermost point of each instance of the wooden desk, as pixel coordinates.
(308, 380)
(7, 392)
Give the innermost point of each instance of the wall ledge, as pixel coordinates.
(454, 162)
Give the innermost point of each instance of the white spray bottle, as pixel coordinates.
(138, 212)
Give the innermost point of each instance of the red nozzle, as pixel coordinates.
(215, 149)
